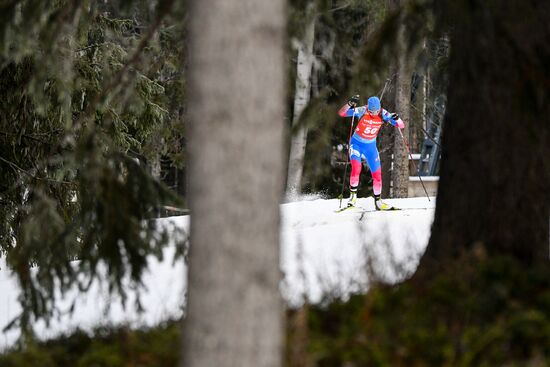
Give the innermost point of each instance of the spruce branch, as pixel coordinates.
(31, 175)
(117, 79)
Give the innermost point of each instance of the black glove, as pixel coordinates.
(395, 116)
(353, 101)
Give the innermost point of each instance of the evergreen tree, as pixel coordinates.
(89, 91)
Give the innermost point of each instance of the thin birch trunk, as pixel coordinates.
(425, 95)
(304, 66)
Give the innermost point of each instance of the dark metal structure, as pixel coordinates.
(430, 154)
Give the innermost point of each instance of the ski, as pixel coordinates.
(380, 210)
(364, 210)
(393, 208)
(340, 210)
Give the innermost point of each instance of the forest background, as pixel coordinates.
(98, 102)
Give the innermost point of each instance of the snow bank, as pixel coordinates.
(328, 254)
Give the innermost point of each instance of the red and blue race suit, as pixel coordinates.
(363, 143)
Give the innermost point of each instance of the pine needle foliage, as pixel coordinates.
(89, 92)
(104, 346)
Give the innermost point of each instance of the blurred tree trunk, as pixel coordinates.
(494, 179)
(400, 171)
(386, 139)
(236, 172)
(386, 135)
(304, 66)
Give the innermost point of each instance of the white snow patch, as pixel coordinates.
(322, 253)
(293, 196)
(326, 253)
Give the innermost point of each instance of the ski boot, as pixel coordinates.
(352, 198)
(380, 205)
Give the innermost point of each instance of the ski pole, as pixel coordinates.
(429, 137)
(416, 169)
(346, 170)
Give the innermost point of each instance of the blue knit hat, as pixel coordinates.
(374, 103)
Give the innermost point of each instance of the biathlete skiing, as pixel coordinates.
(362, 145)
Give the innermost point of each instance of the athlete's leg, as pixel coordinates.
(373, 160)
(355, 153)
(377, 181)
(354, 181)
(355, 173)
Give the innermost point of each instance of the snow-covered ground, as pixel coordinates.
(323, 254)
(332, 254)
